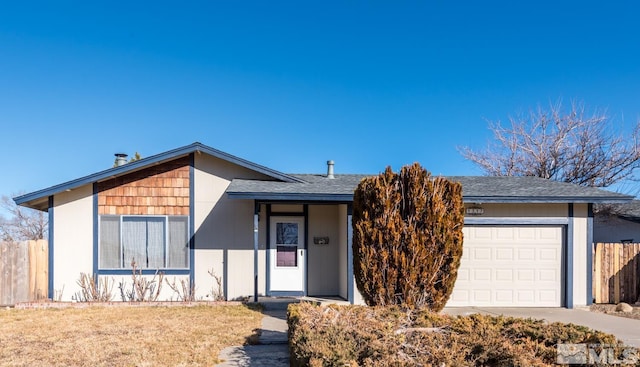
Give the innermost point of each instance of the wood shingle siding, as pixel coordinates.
(157, 190)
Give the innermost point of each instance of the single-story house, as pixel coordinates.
(617, 223)
(196, 211)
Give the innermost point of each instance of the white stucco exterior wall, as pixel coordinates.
(224, 241)
(72, 239)
(611, 229)
(324, 260)
(580, 258)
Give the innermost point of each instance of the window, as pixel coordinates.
(287, 256)
(154, 242)
(287, 233)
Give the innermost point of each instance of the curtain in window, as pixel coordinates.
(178, 242)
(134, 241)
(155, 243)
(110, 242)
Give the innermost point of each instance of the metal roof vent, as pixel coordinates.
(330, 169)
(121, 158)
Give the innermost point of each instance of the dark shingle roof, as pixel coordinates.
(534, 189)
(38, 199)
(474, 189)
(315, 187)
(310, 187)
(629, 211)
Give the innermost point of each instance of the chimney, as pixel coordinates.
(121, 158)
(330, 169)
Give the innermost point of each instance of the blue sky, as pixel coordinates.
(292, 84)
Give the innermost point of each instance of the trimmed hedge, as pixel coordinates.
(393, 336)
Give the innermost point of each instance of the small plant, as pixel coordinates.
(57, 294)
(142, 288)
(94, 291)
(184, 291)
(216, 292)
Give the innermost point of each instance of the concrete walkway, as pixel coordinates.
(272, 349)
(627, 330)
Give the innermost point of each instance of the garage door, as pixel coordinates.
(510, 266)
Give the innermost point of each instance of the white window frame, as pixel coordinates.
(122, 261)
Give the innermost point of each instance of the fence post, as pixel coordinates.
(597, 272)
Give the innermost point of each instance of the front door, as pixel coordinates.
(286, 256)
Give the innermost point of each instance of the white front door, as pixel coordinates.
(286, 255)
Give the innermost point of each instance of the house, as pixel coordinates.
(196, 210)
(617, 223)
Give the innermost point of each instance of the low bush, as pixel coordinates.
(393, 336)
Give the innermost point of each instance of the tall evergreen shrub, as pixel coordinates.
(407, 237)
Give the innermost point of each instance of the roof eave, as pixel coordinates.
(467, 199)
(291, 196)
(547, 199)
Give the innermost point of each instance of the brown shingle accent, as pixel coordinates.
(157, 190)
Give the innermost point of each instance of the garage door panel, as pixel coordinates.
(510, 266)
(482, 233)
(504, 275)
(481, 254)
(548, 275)
(548, 254)
(504, 254)
(481, 296)
(463, 275)
(480, 275)
(526, 234)
(550, 233)
(548, 295)
(526, 275)
(526, 253)
(526, 296)
(504, 295)
(505, 233)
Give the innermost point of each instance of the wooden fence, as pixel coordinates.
(23, 271)
(616, 272)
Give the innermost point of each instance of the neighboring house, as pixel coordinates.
(617, 223)
(195, 209)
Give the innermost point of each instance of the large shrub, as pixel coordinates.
(407, 237)
(396, 336)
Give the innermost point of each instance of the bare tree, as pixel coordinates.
(22, 223)
(574, 146)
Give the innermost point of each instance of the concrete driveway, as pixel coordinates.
(627, 330)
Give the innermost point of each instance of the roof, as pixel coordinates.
(481, 189)
(39, 199)
(313, 187)
(629, 210)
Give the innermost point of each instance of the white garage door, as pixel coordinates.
(510, 266)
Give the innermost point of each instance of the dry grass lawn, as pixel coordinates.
(123, 336)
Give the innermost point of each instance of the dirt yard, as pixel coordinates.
(123, 336)
(611, 310)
